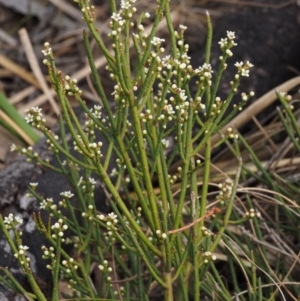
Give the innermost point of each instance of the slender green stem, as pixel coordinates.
(25, 266)
(156, 21)
(185, 171)
(208, 38)
(56, 270)
(97, 81)
(228, 208)
(205, 184)
(196, 253)
(15, 285)
(124, 208)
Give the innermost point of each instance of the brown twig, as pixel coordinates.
(206, 216)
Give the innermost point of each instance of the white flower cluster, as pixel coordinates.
(96, 111)
(58, 229)
(48, 252)
(208, 257)
(93, 147)
(252, 214)
(205, 70)
(231, 134)
(206, 232)
(70, 265)
(105, 268)
(71, 86)
(12, 221)
(47, 203)
(110, 221)
(90, 123)
(79, 145)
(204, 73)
(225, 191)
(126, 4)
(23, 260)
(47, 50)
(161, 235)
(165, 143)
(35, 117)
(157, 41)
(87, 11)
(118, 18)
(243, 69)
(227, 43)
(168, 71)
(67, 194)
(173, 178)
(146, 116)
(96, 147)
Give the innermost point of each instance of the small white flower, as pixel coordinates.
(116, 16)
(245, 72)
(126, 4)
(223, 42)
(19, 220)
(112, 216)
(182, 95)
(23, 248)
(43, 204)
(67, 194)
(92, 181)
(248, 65)
(13, 147)
(47, 51)
(169, 109)
(9, 219)
(157, 41)
(165, 143)
(230, 35)
(206, 68)
(239, 64)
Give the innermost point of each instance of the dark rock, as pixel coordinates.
(14, 181)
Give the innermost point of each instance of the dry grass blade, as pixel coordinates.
(233, 252)
(19, 71)
(36, 68)
(258, 106)
(18, 129)
(68, 9)
(19, 96)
